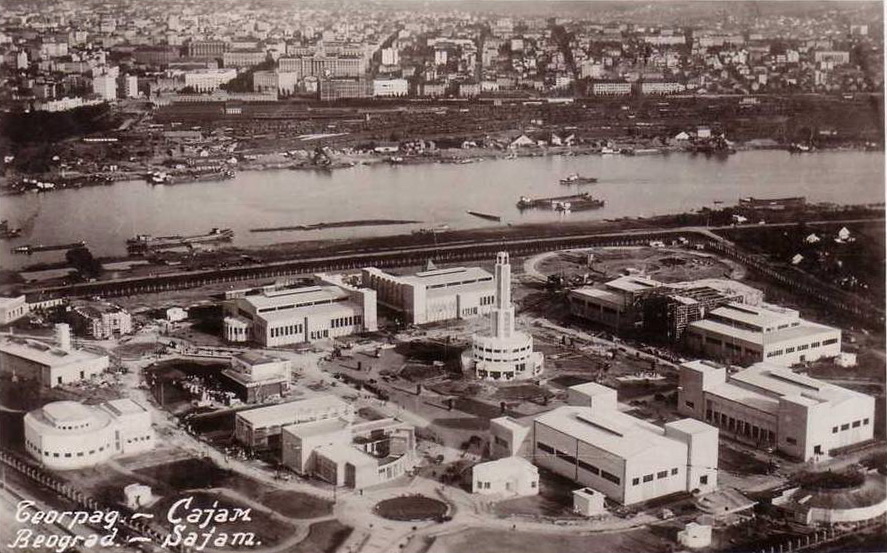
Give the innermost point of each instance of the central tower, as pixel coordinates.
(503, 353)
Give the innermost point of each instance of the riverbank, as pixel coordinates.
(55, 181)
(231, 256)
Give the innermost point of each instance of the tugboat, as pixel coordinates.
(576, 178)
(143, 243)
(8, 232)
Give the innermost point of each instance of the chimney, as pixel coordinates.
(63, 336)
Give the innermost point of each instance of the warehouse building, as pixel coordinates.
(772, 406)
(625, 458)
(260, 428)
(745, 334)
(12, 309)
(436, 295)
(618, 305)
(507, 476)
(50, 365)
(353, 455)
(278, 317)
(67, 435)
(257, 378)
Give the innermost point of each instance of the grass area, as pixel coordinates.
(296, 504)
(411, 507)
(323, 537)
(555, 499)
(740, 462)
(503, 541)
(137, 350)
(203, 473)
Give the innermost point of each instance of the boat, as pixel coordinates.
(160, 177)
(29, 248)
(9, 232)
(606, 150)
(576, 178)
(573, 202)
(143, 243)
(486, 216)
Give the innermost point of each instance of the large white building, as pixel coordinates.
(50, 365)
(507, 476)
(70, 435)
(257, 377)
(260, 427)
(745, 334)
(278, 317)
(390, 87)
(12, 309)
(504, 353)
(353, 455)
(207, 80)
(772, 406)
(625, 458)
(436, 295)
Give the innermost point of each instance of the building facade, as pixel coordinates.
(771, 406)
(432, 296)
(627, 459)
(66, 435)
(257, 378)
(503, 353)
(507, 476)
(12, 309)
(278, 317)
(746, 334)
(260, 428)
(50, 365)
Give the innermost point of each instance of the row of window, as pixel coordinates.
(487, 300)
(854, 424)
(460, 283)
(588, 467)
(739, 426)
(803, 347)
(649, 477)
(288, 330)
(345, 321)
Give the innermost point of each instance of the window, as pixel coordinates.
(791, 440)
(661, 474)
(703, 480)
(856, 424)
(611, 477)
(690, 404)
(834, 430)
(545, 447)
(865, 422)
(648, 478)
(674, 471)
(589, 467)
(486, 485)
(635, 481)
(830, 341)
(845, 426)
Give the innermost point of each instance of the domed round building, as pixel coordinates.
(68, 435)
(503, 353)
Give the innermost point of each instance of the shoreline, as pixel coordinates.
(430, 157)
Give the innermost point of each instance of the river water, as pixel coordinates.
(106, 216)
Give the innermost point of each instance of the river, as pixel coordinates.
(106, 216)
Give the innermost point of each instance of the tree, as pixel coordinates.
(83, 261)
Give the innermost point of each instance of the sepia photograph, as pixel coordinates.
(442, 276)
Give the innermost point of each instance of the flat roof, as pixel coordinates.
(780, 381)
(255, 358)
(124, 406)
(295, 296)
(316, 428)
(758, 315)
(806, 328)
(67, 411)
(691, 426)
(608, 429)
(5, 300)
(507, 465)
(43, 353)
(346, 453)
(450, 276)
(632, 283)
(603, 296)
(593, 389)
(282, 413)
